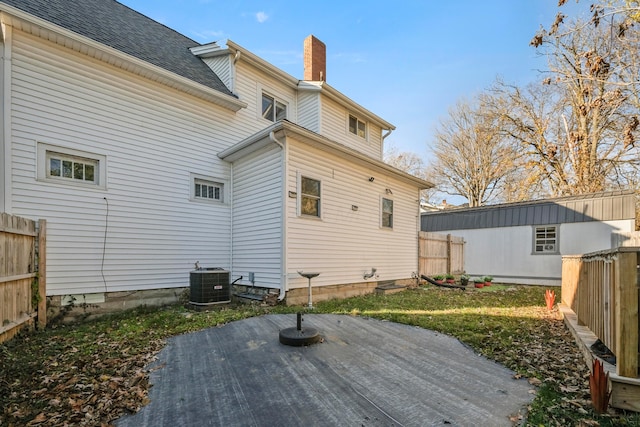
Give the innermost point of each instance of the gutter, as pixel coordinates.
(261, 138)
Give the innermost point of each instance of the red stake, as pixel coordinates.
(550, 298)
(599, 387)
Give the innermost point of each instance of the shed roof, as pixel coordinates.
(603, 206)
(122, 28)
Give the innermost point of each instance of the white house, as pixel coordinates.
(147, 152)
(524, 242)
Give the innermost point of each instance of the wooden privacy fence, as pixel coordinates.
(440, 254)
(602, 290)
(22, 274)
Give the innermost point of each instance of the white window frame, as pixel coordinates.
(541, 239)
(300, 195)
(47, 152)
(276, 100)
(359, 121)
(197, 179)
(382, 213)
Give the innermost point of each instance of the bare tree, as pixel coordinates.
(410, 163)
(581, 128)
(472, 158)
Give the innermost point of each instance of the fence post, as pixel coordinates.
(448, 253)
(42, 273)
(626, 314)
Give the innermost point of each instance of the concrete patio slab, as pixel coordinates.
(365, 372)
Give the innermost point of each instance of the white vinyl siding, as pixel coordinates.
(221, 65)
(154, 138)
(348, 242)
(335, 125)
(257, 216)
(309, 113)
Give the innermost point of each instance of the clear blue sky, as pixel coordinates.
(407, 61)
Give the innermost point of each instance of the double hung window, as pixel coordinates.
(309, 197)
(357, 126)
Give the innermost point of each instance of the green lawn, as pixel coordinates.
(93, 372)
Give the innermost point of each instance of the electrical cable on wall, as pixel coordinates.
(104, 244)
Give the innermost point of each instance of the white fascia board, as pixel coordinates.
(56, 34)
(288, 129)
(250, 144)
(206, 50)
(309, 86)
(262, 65)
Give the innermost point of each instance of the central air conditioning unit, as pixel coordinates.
(209, 286)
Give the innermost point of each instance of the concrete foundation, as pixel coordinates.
(300, 296)
(85, 306)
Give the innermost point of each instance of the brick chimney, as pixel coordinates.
(315, 59)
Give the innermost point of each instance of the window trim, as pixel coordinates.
(382, 212)
(207, 180)
(534, 230)
(358, 121)
(43, 173)
(301, 175)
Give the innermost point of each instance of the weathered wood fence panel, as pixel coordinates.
(18, 244)
(602, 290)
(440, 254)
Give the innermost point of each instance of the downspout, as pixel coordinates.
(5, 117)
(231, 239)
(419, 227)
(233, 71)
(285, 174)
(382, 144)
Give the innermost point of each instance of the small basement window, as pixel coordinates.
(207, 190)
(545, 240)
(69, 166)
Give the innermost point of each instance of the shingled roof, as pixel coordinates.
(122, 28)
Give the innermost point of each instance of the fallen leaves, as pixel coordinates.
(68, 385)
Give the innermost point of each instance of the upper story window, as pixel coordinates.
(309, 197)
(357, 126)
(387, 213)
(545, 240)
(273, 109)
(69, 166)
